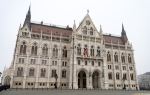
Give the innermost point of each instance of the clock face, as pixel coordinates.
(87, 22)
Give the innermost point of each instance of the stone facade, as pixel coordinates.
(48, 56)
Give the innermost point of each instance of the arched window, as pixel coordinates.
(92, 51)
(84, 30)
(108, 57)
(117, 76)
(85, 53)
(91, 31)
(53, 73)
(124, 76)
(55, 51)
(23, 48)
(34, 49)
(64, 74)
(131, 76)
(79, 49)
(20, 71)
(110, 76)
(98, 52)
(116, 57)
(31, 72)
(45, 50)
(129, 58)
(64, 52)
(43, 72)
(122, 58)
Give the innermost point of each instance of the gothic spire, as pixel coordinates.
(28, 18)
(123, 34)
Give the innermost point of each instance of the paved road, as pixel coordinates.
(71, 92)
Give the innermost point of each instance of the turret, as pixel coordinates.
(123, 35)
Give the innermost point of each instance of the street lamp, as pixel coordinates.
(56, 77)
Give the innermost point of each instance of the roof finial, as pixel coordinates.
(87, 11)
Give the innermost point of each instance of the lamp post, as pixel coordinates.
(56, 77)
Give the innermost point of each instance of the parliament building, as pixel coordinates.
(81, 57)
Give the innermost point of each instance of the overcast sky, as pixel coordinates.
(135, 15)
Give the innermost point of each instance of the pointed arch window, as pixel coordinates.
(91, 31)
(64, 52)
(31, 72)
(43, 72)
(116, 57)
(92, 51)
(45, 50)
(84, 30)
(98, 52)
(23, 48)
(85, 53)
(129, 58)
(117, 76)
(20, 71)
(64, 73)
(79, 49)
(53, 73)
(108, 57)
(131, 76)
(124, 76)
(55, 51)
(34, 49)
(122, 58)
(110, 76)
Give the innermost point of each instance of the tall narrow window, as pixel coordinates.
(79, 49)
(64, 74)
(20, 71)
(85, 53)
(124, 76)
(98, 52)
(23, 48)
(110, 76)
(55, 51)
(131, 76)
(91, 31)
(117, 76)
(92, 51)
(31, 72)
(53, 73)
(45, 50)
(116, 57)
(122, 58)
(34, 49)
(129, 58)
(64, 52)
(43, 72)
(84, 30)
(108, 57)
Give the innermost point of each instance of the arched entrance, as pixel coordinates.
(95, 79)
(7, 80)
(81, 79)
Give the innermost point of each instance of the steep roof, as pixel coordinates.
(51, 29)
(113, 39)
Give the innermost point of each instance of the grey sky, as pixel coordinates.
(134, 14)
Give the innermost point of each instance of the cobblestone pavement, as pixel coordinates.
(70, 92)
